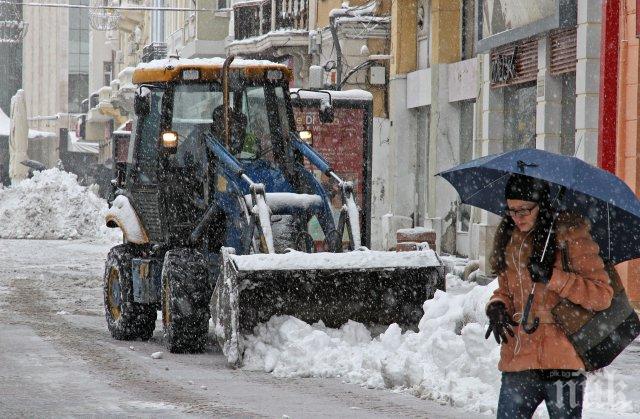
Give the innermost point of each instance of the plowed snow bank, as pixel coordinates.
(448, 360)
(52, 205)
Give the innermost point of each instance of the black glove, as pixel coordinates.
(540, 271)
(499, 322)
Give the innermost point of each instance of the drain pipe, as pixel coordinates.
(336, 45)
(609, 53)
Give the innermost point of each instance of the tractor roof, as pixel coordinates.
(170, 69)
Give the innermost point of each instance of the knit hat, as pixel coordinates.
(526, 188)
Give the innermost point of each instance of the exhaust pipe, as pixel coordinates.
(225, 98)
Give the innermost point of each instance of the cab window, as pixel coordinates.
(147, 148)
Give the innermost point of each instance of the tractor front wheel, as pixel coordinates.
(186, 291)
(126, 319)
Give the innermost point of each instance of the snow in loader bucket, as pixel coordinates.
(370, 287)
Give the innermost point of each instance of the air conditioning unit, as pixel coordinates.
(316, 77)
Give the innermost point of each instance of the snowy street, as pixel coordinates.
(320, 209)
(57, 357)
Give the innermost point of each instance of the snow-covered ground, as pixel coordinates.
(447, 360)
(57, 358)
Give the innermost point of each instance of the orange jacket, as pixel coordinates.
(548, 347)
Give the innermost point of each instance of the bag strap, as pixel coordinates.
(565, 257)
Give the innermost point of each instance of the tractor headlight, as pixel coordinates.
(306, 136)
(170, 140)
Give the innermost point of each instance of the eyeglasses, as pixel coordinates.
(523, 212)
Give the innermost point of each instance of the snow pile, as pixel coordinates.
(359, 259)
(52, 205)
(448, 360)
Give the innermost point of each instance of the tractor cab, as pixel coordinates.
(180, 175)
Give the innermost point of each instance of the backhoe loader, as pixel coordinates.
(214, 206)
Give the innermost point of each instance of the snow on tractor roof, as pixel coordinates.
(169, 69)
(353, 94)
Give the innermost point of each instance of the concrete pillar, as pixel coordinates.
(445, 31)
(444, 153)
(394, 166)
(492, 108)
(548, 102)
(380, 197)
(402, 152)
(394, 185)
(404, 29)
(490, 139)
(588, 79)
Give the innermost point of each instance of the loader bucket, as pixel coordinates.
(366, 286)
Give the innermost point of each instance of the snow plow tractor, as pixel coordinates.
(214, 208)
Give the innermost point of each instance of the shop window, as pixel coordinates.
(519, 116)
(78, 58)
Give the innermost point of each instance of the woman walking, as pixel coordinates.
(543, 365)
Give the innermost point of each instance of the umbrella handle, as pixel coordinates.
(525, 317)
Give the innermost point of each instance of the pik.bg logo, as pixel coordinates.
(604, 393)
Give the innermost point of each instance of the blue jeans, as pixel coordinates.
(522, 392)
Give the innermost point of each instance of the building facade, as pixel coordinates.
(471, 78)
(12, 28)
(619, 113)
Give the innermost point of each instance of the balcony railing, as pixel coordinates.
(254, 18)
(292, 14)
(248, 18)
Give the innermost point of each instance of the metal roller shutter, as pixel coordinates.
(563, 51)
(514, 63)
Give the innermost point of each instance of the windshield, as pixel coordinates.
(257, 116)
(146, 152)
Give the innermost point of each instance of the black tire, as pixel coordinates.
(186, 291)
(126, 319)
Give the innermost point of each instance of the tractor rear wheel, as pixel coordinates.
(186, 291)
(126, 319)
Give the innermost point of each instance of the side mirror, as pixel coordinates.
(326, 112)
(141, 105)
(169, 141)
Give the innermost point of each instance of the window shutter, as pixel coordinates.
(563, 51)
(521, 56)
